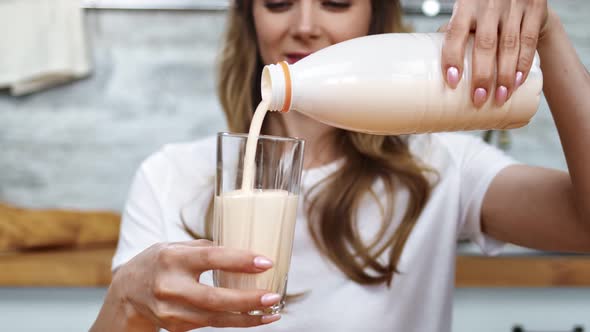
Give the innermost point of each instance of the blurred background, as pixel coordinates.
(140, 74)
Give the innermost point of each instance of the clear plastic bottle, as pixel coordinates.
(392, 84)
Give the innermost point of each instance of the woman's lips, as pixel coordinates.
(294, 57)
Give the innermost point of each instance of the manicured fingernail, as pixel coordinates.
(270, 299)
(518, 80)
(453, 76)
(480, 96)
(270, 318)
(501, 95)
(262, 262)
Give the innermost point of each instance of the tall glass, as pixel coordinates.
(261, 218)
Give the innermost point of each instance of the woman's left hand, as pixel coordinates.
(506, 36)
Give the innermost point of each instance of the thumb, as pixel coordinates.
(443, 28)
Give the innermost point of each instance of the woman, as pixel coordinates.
(407, 222)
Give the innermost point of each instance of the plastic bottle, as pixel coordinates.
(392, 84)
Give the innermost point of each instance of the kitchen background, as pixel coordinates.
(152, 82)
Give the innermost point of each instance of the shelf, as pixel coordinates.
(523, 271)
(91, 268)
(67, 268)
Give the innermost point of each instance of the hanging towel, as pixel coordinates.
(42, 44)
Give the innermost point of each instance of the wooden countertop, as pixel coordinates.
(91, 268)
(59, 268)
(97, 231)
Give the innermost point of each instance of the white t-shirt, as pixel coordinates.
(179, 180)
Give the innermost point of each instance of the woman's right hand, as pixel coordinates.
(160, 287)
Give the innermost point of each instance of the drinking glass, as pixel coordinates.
(260, 218)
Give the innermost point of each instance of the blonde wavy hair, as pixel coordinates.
(368, 158)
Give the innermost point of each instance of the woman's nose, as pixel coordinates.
(305, 25)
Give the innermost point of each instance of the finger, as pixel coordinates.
(484, 57)
(240, 320)
(198, 243)
(508, 51)
(529, 36)
(443, 28)
(185, 318)
(227, 259)
(204, 257)
(236, 300)
(456, 36)
(174, 289)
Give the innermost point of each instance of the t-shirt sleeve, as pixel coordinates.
(141, 224)
(480, 163)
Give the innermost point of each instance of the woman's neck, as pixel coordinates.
(320, 147)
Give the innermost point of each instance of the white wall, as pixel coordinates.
(77, 146)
